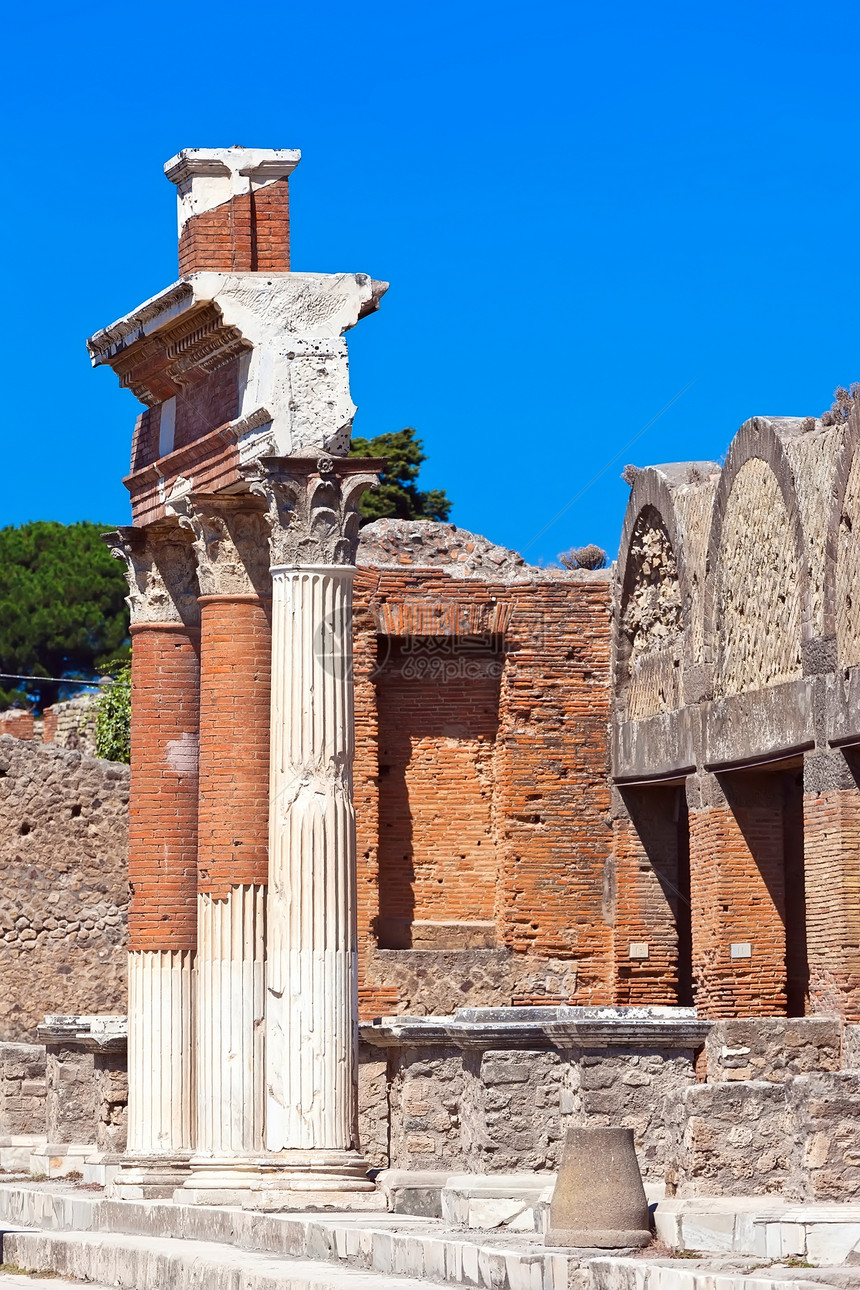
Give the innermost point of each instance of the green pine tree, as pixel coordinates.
(62, 608)
(398, 495)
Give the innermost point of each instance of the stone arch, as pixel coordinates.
(653, 602)
(757, 594)
(842, 550)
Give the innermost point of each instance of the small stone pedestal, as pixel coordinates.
(87, 1092)
(599, 1200)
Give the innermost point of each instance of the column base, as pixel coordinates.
(146, 1177)
(303, 1180)
(218, 1180)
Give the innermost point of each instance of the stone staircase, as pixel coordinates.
(160, 1246)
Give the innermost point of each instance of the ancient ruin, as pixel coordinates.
(434, 856)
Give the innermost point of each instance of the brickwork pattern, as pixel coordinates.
(235, 684)
(831, 828)
(205, 404)
(63, 846)
(546, 776)
(212, 461)
(737, 879)
(17, 723)
(249, 233)
(72, 724)
(162, 857)
(437, 853)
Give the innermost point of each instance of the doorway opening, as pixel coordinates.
(654, 932)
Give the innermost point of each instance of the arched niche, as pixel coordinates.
(652, 605)
(842, 572)
(757, 594)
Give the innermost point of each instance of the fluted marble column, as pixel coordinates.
(311, 960)
(231, 550)
(162, 856)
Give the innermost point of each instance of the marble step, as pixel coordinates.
(145, 1263)
(164, 1263)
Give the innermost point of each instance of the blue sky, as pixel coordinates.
(580, 210)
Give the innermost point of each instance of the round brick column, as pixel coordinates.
(235, 646)
(162, 863)
(232, 852)
(162, 857)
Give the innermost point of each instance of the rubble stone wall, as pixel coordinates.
(505, 1111)
(72, 724)
(64, 895)
(847, 564)
(758, 606)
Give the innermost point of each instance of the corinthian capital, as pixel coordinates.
(160, 571)
(313, 506)
(229, 537)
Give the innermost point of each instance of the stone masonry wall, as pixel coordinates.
(505, 1111)
(22, 1089)
(64, 894)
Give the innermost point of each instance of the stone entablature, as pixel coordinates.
(285, 330)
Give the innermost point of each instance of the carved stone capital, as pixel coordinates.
(313, 506)
(160, 571)
(229, 536)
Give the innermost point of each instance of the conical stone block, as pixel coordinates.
(599, 1199)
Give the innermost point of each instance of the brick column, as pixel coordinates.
(831, 826)
(737, 880)
(162, 855)
(230, 543)
(311, 962)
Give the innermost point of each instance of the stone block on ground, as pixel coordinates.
(728, 1139)
(823, 1120)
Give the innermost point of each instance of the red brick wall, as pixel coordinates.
(162, 859)
(832, 837)
(249, 233)
(207, 404)
(49, 726)
(16, 722)
(550, 795)
(203, 406)
(235, 660)
(438, 718)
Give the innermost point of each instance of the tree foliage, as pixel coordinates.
(113, 717)
(398, 495)
(62, 608)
